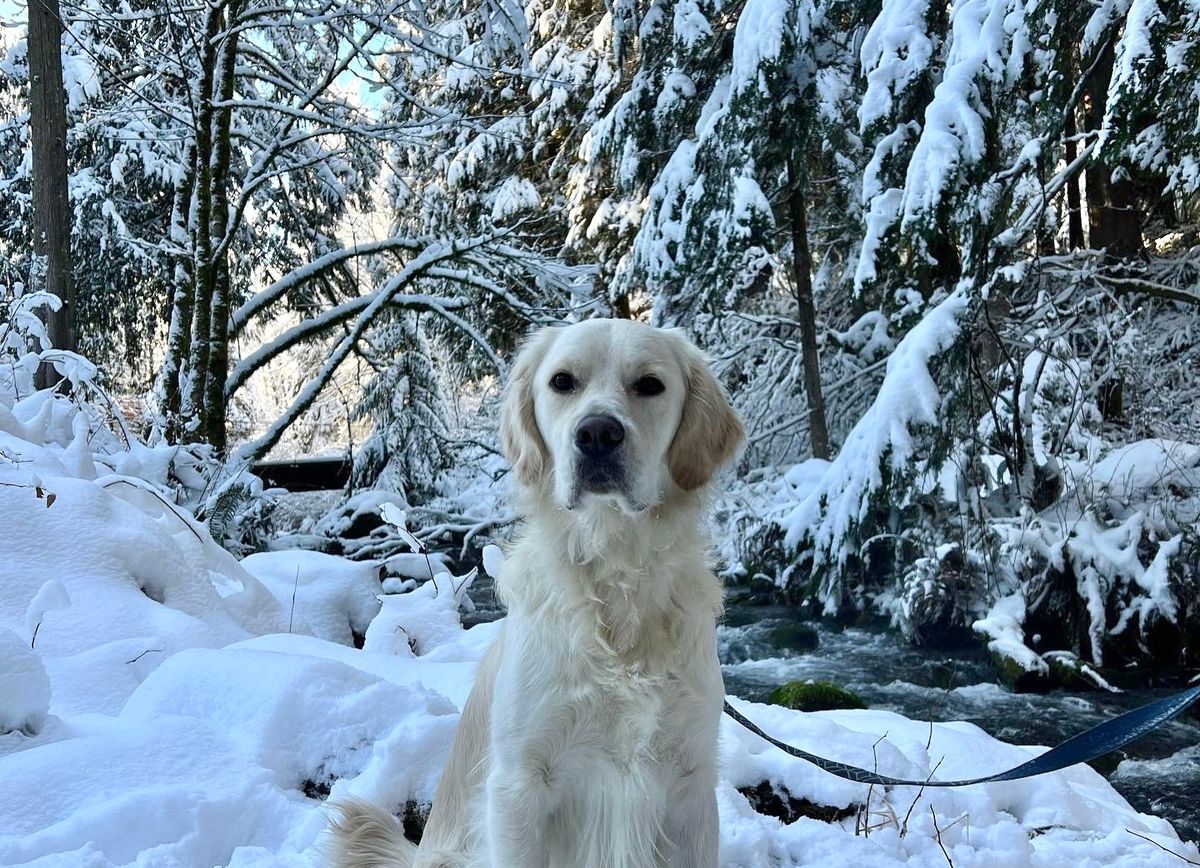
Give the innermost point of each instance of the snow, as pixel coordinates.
(982, 46)
(334, 598)
(52, 595)
(170, 715)
(493, 560)
(691, 24)
(758, 41)
(24, 686)
(895, 52)
(206, 763)
(513, 196)
(1004, 628)
(417, 622)
(1135, 467)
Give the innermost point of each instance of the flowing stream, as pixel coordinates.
(1159, 774)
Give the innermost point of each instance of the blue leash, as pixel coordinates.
(1096, 742)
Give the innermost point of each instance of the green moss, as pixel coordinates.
(1018, 678)
(1009, 670)
(814, 696)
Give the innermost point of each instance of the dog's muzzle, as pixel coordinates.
(598, 442)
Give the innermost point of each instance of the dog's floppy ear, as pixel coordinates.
(710, 430)
(520, 438)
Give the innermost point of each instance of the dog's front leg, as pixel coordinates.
(692, 825)
(517, 810)
(520, 789)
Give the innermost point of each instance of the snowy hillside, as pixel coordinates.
(162, 704)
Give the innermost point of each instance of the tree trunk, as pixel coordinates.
(195, 374)
(1113, 220)
(52, 269)
(806, 313)
(1074, 202)
(218, 327)
(1068, 53)
(179, 332)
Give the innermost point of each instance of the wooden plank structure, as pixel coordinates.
(305, 474)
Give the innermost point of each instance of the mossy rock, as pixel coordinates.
(814, 696)
(791, 636)
(1017, 678)
(1061, 670)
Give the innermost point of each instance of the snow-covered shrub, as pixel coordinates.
(938, 596)
(1087, 510)
(238, 512)
(98, 438)
(1010, 477)
(24, 686)
(1105, 588)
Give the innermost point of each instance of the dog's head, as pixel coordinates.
(615, 411)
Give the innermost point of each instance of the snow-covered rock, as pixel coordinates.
(416, 622)
(331, 597)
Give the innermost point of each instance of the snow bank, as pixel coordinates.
(220, 756)
(223, 755)
(1041, 822)
(143, 582)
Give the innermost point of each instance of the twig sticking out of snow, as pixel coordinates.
(917, 798)
(144, 653)
(292, 610)
(398, 518)
(938, 836)
(52, 595)
(1161, 847)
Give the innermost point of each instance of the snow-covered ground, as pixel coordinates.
(162, 704)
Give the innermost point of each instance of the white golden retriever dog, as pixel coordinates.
(590, 737)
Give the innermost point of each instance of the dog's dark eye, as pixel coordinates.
(649, 386)
(562, 382)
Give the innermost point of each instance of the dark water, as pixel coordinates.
(1159, 774)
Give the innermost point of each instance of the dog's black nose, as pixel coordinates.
(599, 436)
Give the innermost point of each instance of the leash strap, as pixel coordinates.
(1096, 742)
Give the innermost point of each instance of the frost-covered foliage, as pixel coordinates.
(1046, 501)
(1089, 502)
(124, 164)
(226, 160)
(1150, 118)
(98, 442)
(979, 120)
(949, 247)
(407, 448)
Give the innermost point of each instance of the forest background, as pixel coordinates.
(944, 256)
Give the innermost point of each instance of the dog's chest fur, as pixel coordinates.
(609, 673)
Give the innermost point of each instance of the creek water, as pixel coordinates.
(1160, 774)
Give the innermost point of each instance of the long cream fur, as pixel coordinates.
(589, 738)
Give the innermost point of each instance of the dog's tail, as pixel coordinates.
(366, 836)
